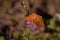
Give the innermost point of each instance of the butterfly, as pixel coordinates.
(35, 19)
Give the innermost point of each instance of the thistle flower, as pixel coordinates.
(33, 26)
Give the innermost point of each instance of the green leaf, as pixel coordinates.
(52, 24)
(26, 33)
(2, 38)
(59, 35)
(47, 35)
(36, 37)
(16, 35)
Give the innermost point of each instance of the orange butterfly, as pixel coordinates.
(35, 19)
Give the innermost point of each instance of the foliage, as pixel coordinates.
(52, 24)
(16, 35)
(2, 38)
(26, 33)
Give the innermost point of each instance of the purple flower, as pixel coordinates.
(33, 26)
(28, 23)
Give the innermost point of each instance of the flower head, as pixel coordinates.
(33, 26)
